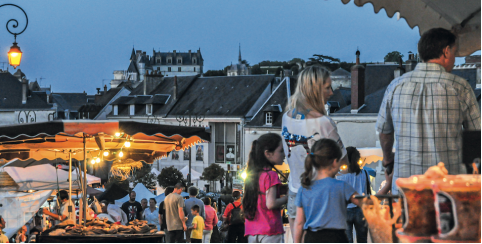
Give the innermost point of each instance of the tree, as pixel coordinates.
(256, 70)
(213, 172)
(145, 176)
(324, 60)
(124, 184)
(170, 176)
(245, 62)
(214, 73)
(394, 56)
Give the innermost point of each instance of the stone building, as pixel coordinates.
(165, 63)
(239, 68)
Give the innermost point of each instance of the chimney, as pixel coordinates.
(98, 90)
(399, 71)
(105, 89)
(175, 88)
(174, 53)
(24, 90)
(145, 82)
(190, 55)
(411, 62)
(357, 85)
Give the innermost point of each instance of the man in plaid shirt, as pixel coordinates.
(426, 110)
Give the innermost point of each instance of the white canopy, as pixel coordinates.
(194, 174)
(141, 192)
(19, 207)
(462, 17)
(155, 171)
(43, 177)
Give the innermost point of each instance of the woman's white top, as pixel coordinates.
(152, 217)
(299, 135)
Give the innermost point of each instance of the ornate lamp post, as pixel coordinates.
(15, 55)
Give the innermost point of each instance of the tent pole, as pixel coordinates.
(84, 186)
(70, 184)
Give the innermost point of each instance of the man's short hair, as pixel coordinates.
(193, 191)
(195, 208)
(131, 192)
(63, 194)
(207, 201)
(144, 199)
(105, 202)
(236, 195)
(433, 42)
(168, 190)
(178, 186)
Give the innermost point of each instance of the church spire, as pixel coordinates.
(239, 58)
(133, 54)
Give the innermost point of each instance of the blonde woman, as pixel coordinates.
(305, 122)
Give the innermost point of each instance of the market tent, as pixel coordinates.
(461, 17)
(155, 171)
(114, 192)
(160, 198)
(194, 174)
(61, 139)
(141, 192)
(19, 207)
(42, 177)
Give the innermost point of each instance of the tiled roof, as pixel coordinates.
(222, 95)
(11, 95)
(340, 72)
(70, 101)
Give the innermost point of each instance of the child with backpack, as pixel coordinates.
(262, 202)
(322, 200)
(232, 216)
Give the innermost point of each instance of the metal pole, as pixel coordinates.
(70, 183)
(84, 190)
(190, 158)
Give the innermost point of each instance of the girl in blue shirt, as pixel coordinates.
(322, 201)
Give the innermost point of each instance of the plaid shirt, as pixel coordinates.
(427, 109)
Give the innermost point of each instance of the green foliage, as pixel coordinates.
(170, 176)
(327, 61)
(124, 184)
(394, 56)
(214, 73)
(256, 70)
(245, 62)
(213, 172)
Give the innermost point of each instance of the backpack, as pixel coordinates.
(236, 217)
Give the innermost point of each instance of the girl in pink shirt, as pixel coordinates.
(262, 202)
(210, 221)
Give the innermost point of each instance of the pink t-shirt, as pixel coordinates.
(266, 221)
(211, 217)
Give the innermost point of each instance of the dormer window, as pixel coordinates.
(158, 61)
(149, 109)
(269, 118)
(179, 69)
(179, 61)
(169, 60)
(168, 69)
(194, 61)
(132, 109)
(116, 110)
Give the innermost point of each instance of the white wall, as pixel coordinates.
(12, 117)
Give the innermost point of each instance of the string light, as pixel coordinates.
(92, 161)
(244, 175)
(121, 154)
(106, 153)
(97, 160)
(127, 144)
(117, 134)
(343, 167)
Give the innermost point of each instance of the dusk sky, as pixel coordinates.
(74, 45)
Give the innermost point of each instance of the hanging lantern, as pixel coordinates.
(14, 55)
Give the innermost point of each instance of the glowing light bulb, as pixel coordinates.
(244, 175)
(343, 167)
(106, 153)
(127, 144)
(121, 154)
(117, 134)
(97, 160)
(360, 162)
(415, 180)
(92, 161)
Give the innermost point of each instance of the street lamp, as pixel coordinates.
(15, 55)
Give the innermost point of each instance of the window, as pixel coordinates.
(158, 68)
(149, 109)
(194, 61)
(194, 69)
(179, 69)
(169, 60)
(179, 61)
(168, 69)
(116, 110)
(132, 109)
(158, 60)
(269, 118)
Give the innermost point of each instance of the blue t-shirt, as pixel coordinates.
(358, 182)
(324, 204)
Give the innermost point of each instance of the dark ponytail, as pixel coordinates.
(257, 163)
(353, 158)
(322, 155)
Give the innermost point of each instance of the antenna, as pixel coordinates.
(41, 78)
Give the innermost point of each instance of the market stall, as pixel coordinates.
(124, 143)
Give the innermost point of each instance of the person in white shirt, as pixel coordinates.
(305, 122)
(114, 211)
(65, 213)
